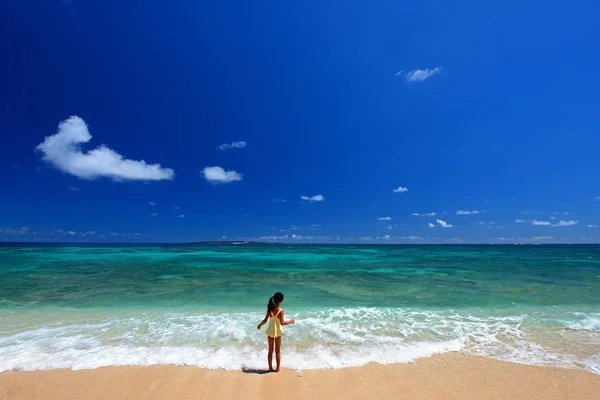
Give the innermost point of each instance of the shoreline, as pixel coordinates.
(445, 376)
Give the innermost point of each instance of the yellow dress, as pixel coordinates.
(275, 329)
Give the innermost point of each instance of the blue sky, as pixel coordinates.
(296, 121)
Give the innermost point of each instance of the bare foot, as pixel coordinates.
(272, 370)
(277, 370)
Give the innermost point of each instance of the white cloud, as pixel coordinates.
(463, 212)
(419, 75)
(386, 237)
(89, 233)
(390, 227)
(519, 221)
(219, 175)
(73, 189)
(181, 216)
(384, 219)
(318, 197)
(152, 203)
(365, 238)
(536, 238)
(430, 214)
(113, 234)
(400, 189)
(444, 224)
(566, 223)
(63, 151)
(279, 200)
(154, 214)
(592, 226)
(552, 218)
(540, 223)
(411, 238)
(234, 145)
(431, 225)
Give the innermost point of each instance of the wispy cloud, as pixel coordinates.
(391, 226)
(384, 219)
(234, 145)
(591, 226)
(419, 75)
(519, 221)
(63, 151)
(317, 197)
(14, 231)
(218, 175)
(464, 212)
(279, 200)
(400, 189)
(181, 216)
(152, 203)
(597, 197)
(430, 214)
(431, 225)
(566, 223)
(540, 223)
(412, 237)
(176, 207)
(538, 238)
(73, 189)
(444, 224)
(154, 214)
(89, 233)
(62, 232)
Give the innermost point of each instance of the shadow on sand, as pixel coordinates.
(255, 371)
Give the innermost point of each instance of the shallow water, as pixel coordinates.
(85, 307)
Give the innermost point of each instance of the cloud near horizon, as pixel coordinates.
(219, 175)
(536, 238)
(234, 145)
(419, 75)
(317, 197)
(62, 150)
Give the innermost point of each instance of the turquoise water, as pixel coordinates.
(85, 307)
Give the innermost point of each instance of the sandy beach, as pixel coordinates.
(447, 376)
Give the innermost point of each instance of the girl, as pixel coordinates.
(275, 328)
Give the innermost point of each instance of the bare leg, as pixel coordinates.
(270, 356)
(278, 352)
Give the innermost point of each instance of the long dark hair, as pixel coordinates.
(276, 298)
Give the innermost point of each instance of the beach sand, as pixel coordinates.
(447, 376)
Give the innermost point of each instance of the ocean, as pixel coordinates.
(91, 306)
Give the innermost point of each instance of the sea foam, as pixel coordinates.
(321, 338)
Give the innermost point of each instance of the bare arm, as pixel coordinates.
(264, 321)
(284, 322)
